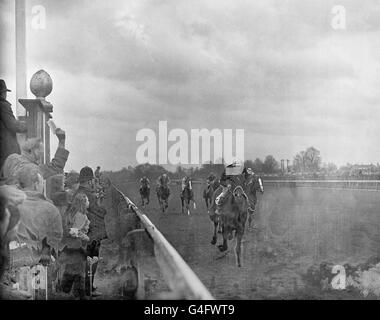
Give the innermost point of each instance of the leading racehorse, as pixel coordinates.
(232, 220)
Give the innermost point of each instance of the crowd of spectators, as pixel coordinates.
(47, 218)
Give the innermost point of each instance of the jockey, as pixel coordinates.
(186, 181)
(211, 178)
(144, 182)
(252, 184)
(163, 180)
(250, 178)
(228, 180)
(249, 175)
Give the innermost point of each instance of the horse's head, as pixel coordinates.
(239, 195)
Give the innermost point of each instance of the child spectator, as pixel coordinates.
(76, 226)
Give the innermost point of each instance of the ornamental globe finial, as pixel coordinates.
(41, 84)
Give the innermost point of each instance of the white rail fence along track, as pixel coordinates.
(179, 277)
(372, 185)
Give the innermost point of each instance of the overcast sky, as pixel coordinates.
(276, 69)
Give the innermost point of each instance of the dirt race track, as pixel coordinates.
(296, 228)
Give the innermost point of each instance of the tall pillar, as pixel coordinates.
(39, 110)
(20, 54)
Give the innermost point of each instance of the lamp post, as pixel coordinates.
(38, 110)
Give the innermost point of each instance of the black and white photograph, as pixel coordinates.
(197, 150)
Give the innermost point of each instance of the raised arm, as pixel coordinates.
(57, 164)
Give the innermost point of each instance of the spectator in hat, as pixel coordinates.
(31, 155)
(96, 214)
(9, 126)
(97, 173)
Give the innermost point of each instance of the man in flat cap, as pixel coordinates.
(9, 126)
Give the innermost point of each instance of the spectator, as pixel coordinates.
(10, 197)
(32, 151)
(96, 214)
(56, 191)
(9, 126)
(71, 184)
(40, 225)
(97, 173)
(76, 225)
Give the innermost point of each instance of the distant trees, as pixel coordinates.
(150, 170)
(308, 160)
(270, 165)
(257, 165)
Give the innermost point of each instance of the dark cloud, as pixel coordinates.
(274, 68)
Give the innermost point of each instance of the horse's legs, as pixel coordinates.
(213, 241)
(223, 247)
(160, 202)
(182, 204)
(163, 205)
(239, 237)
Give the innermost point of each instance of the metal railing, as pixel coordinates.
(179, 277)
(372, 185)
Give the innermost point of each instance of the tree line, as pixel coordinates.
(305, 162)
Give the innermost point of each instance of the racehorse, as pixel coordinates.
(251, 188)
(187, 195)
(232, 220)
(163, 194)
(208, 193)
(144, 193)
